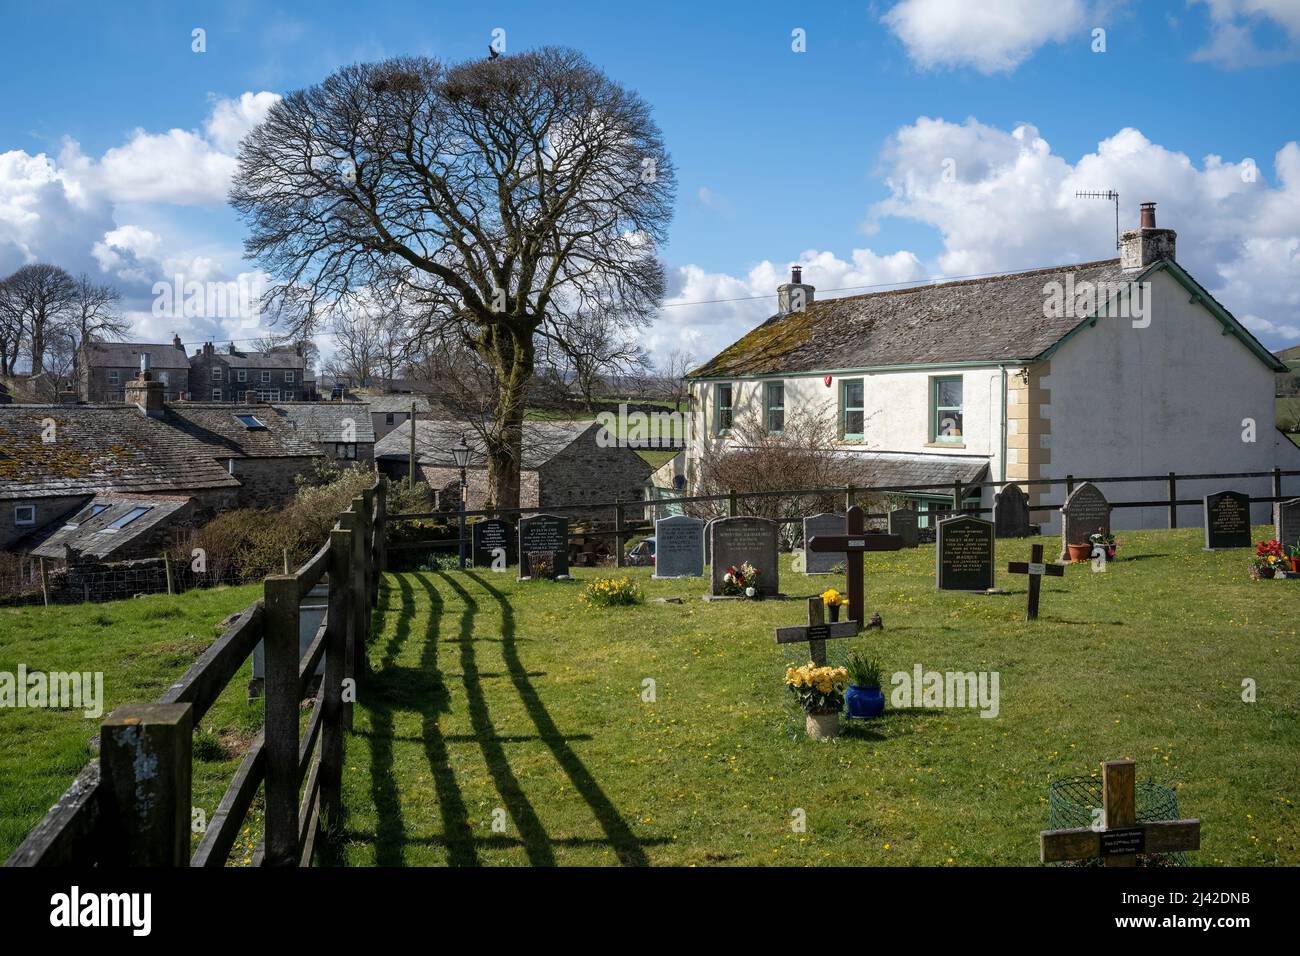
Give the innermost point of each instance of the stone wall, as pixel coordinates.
(94, 383)
(268, 482)
(587, 472)
(477, 489)
(48, 510)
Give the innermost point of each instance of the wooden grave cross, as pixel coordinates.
(1119, 838)
(853, 546)
(1035, 568)
(816, 632)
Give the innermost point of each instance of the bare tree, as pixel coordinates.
(498, 199)
(37, 300)
(93, 312)
(598, 352)
(670, 383)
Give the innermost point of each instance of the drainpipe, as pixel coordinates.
(1002, 457)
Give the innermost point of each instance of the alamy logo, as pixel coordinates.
(635, 429)
(946, 689)
(192, 299)
(75, 690)
(75, 908)
(1106, 300)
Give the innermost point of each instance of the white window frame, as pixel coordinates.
(216, 394)
(114, 377)
(288, 376)
(24, 522)
(216, 373)
(266, 376)
(719, 428)
(241, 375)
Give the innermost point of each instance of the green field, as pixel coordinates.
(501, 702)
(140, 646)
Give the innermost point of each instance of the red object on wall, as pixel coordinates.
(827, 380)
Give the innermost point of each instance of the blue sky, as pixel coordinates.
(116, 138)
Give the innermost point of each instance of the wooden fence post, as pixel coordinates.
(167, 570)
(280, 646)
(144, 772)
(619, 558)
(957, 496)
(850, 496)
(381, 526)
(1173, 498)
(334, 712)
(731, 503)
(372, 573)
(1277, 491)
(1069, 485)
(354, 650)
(360, 606)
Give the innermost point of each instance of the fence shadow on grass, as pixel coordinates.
(629, 849)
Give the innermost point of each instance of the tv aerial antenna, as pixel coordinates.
(1107, 194)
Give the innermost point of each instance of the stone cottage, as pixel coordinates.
(104, 368)
(341, 430)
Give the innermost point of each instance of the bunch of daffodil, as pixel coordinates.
(820, 689)
(832, 598)
(609, 592)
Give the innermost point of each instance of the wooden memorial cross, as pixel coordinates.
(1035, 568)
(853, 545)
(1120, 838)
(816, 632)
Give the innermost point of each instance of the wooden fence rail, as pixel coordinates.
(133, 806)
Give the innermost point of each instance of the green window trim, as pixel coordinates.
(774, 407)
(853, 409)
(722, 413)
(945, 413)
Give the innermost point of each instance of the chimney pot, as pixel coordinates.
(1148, 215)
(796, 274)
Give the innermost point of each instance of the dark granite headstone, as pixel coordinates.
(826, 523)
(734, 541)
(1084, 513)
(902, 522)
(542, 533)
(708, 538)
(679, 547)
(964, 554)
(491, 537)
(1011, 513)
(1227, 520)
(1286, 522)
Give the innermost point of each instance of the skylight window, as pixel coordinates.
(127, 518)
(251, 422)
(93, 511)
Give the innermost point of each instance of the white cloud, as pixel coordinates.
(993, 36)
(1237, 29)
(232, 120)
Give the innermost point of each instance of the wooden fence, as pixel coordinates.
(132, 807)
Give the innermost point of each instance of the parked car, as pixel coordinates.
(642, 554)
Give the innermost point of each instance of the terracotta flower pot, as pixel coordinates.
(1079, 552)
(823, 726)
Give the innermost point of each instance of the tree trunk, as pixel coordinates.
(512, 358)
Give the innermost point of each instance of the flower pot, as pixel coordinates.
(833, 612)
(822, 726)
(864, 702)
(751, 592)
(1079, 552)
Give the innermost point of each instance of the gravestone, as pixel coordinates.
(735, 541)
(542, 533)
(490, 538)
(1227, 520)
(708, 538)
(1011, 513)
(902, 522)
(964, 554)
(1084, 513)
(1286, 521)
(825, 523)
(679, 547)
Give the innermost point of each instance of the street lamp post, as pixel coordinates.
(460, 453)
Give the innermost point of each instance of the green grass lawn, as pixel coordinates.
(140, 646)
(501, 702)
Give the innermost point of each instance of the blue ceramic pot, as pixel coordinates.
(864, 702)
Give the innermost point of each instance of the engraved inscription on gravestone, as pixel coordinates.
(489, 537)
(735, 541)
(1084, 513)
(964, 554)
(679, 547)
(542, 533)
(825, 523)
(1227, 520)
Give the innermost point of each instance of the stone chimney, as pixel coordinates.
(794, 296)
(1139, 248)
(145, 393)
(177, 343)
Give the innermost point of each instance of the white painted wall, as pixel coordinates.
(1169, 397)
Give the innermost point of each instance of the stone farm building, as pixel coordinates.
(1031, 375)
(563, 463)
(56, 460)
(341, 430)
(104, 368)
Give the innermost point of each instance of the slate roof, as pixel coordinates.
(87, 535)
(992, 319)
(214, 425)
(273, 360)
(100, 448)
(127, 355)
(326, 421)
(382, 404)
(542, 441)
(891, 469)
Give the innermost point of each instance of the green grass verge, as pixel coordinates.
(140, 646)
(501, 702)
